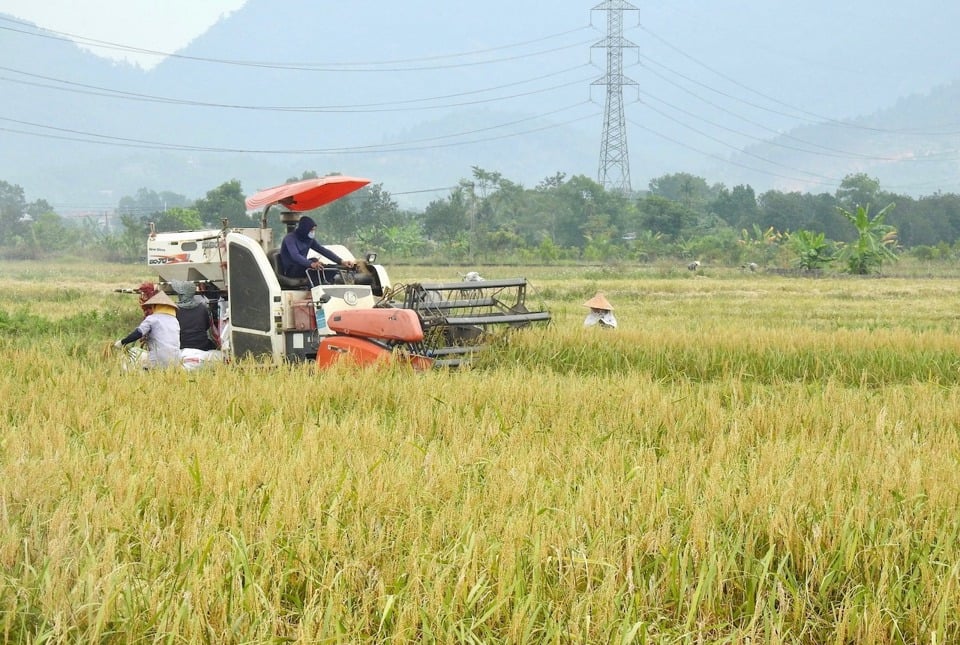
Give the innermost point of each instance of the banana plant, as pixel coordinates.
(812, 249)
(875, 243)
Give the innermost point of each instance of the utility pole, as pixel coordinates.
(614, 159)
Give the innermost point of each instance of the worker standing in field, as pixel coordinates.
(293, 251)
(161, 332)
(601, 312)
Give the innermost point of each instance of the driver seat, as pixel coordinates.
(285, 282)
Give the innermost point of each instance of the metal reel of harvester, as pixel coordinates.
(460, 318)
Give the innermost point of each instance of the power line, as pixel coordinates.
(745, 152)
(368, 107)
(716, 156)
(394, 66)
(797, 113)
(426, 190)
(70, 134)
(830, 181)
(827, 151)
(810, 117)
(411, 104)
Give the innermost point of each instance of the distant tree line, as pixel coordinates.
(488, 218)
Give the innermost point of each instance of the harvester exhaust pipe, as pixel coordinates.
(289, 219)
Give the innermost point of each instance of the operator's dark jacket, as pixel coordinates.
(293, 251)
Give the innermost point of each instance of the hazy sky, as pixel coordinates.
(712, 79)
(159, 25)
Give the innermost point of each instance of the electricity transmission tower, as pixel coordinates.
(614, 159)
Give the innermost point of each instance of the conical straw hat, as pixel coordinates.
(160, 298)
(599, 301)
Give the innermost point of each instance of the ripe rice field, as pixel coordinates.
(748, 458)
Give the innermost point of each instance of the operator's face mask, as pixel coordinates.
(312, 234)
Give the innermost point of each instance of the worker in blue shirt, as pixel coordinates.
(293, 251)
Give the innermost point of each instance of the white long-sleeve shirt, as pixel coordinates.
(162, 333)
(603, 318)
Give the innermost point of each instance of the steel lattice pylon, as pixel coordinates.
(614, 159)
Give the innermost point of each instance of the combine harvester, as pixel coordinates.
(361, 317)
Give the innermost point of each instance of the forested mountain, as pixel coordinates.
(416, 101)
(912, 147)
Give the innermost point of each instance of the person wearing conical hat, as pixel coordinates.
(160, 331)
(601, 312)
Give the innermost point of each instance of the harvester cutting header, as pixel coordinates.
(347, 310)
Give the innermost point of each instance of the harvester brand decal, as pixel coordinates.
(170, 259)
(350, 298)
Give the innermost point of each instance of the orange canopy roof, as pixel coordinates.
(307, 194)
